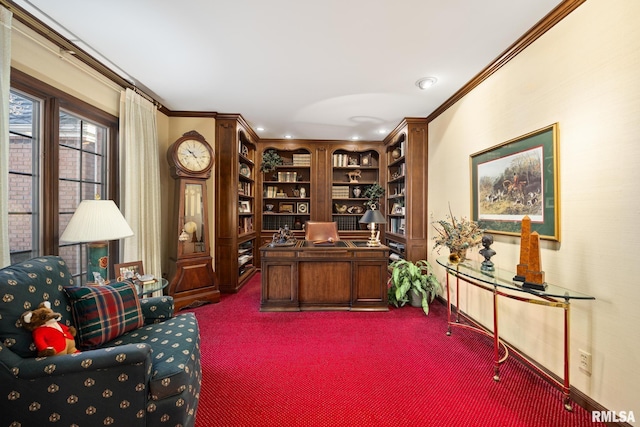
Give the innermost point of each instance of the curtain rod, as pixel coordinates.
(68, 46)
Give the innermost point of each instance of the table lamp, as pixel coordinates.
(373, 217)
(95, 222)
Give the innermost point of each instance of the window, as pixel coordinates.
(24, 153)
(82, 164)
(62, 151)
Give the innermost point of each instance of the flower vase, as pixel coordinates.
(457, 255)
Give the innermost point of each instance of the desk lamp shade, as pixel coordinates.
(373, 217)
(95, 222)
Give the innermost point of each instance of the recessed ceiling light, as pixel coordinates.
(288, 136)
(426, 82)
(259, 128)
(355, 138)
(382, 131)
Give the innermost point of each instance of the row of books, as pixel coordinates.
(245, 225)
(396, 225)
(302, 160)
(244, 188)
(340, 192)
(345, 160)
(272, 192)
(347, 222)
(275, 222)
(288, 176)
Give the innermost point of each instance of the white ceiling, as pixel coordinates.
(328, 69)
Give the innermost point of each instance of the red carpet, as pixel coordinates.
(396, 368)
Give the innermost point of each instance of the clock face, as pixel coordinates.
(193, 155)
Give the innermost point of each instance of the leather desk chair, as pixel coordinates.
(321, 231)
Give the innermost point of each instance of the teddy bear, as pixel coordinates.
(49, 335)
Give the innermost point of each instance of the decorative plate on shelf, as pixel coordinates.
(244, 170)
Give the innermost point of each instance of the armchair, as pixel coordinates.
(148, 376)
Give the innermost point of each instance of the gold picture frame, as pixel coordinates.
(517, 178)
(286, 208)
(121, 271)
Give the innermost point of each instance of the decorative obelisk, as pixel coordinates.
(535, 275)
(525, 234)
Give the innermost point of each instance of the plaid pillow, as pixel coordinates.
(103, 313)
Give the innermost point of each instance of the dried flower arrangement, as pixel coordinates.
(458, 235)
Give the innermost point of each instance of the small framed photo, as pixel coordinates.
(302, 207)
(286, 208)
(128, 270)
(366, 160)
(244, 206)
(397, 209)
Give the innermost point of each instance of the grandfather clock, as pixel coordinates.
(191, 276)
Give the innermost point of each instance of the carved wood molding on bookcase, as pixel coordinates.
(541, 27)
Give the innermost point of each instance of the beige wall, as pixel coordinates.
(44, 61)
(585, 75)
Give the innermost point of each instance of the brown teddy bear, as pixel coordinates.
(50, 336)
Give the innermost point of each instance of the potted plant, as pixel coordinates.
(373, 192)
(458, 235)
(270, 159)
(407, 277)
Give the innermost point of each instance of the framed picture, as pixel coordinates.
(397, 209)
(127, 270)
(517, 178)
(244, 206)
(286, 208)
(302, 207)
(365, 160)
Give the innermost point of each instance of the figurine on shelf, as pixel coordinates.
(284, 237)
(487, 253)
(354, 175)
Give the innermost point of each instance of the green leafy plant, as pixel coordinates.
(408, 276)
(373, 192)
(270, 159)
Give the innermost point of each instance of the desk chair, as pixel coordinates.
(321, 231)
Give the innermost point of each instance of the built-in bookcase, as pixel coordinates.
(286, 191)
(352, 172)
(406, 190)
(236, 202)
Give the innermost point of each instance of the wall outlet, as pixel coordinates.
(585, 362)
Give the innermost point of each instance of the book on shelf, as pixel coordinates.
(287, 176)
(341, 160)
(301, 159)
(340, 192)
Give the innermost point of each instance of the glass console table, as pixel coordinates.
(500, 283)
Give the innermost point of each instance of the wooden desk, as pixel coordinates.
(347, 276)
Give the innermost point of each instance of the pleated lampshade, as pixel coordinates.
(96, 220)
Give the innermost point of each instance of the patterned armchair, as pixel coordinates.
(146, 373)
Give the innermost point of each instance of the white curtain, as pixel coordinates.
(5, 84)
(140, 181)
